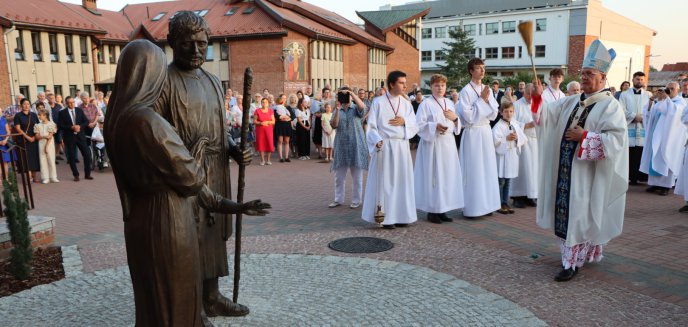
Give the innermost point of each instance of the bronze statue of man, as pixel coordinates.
(192, 101)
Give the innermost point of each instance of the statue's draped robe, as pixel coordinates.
(192, 102)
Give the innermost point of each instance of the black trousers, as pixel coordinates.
(303, 142)
(634, 155)
(71, 144)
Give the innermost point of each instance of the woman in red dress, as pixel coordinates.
(264, 120)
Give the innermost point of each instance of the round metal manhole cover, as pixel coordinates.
(361, 245)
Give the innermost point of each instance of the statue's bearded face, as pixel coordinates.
(190, 50)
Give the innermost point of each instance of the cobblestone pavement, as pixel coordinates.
(642, 280)
(312, 290)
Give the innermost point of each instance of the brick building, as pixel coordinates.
(289, 43)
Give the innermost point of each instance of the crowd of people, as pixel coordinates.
(36, 135)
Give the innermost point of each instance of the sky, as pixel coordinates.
(664, 16)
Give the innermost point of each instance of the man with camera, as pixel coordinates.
(350, 153)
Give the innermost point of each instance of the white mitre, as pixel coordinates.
(598, 57)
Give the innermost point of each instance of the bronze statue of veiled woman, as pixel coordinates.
(158, 180)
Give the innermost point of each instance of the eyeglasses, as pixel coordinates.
(589, 73)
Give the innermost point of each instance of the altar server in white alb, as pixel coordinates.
(477, 107)
(583, 160)
(437, 174)
(553, 91)
(635, 101)
(391, 123)
(524, 188)
(508, 140)
(664, 140)
(682, 183)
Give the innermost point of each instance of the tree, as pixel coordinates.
(457, 54)
(653, 69)
(20, 231)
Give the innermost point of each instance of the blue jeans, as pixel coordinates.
(504, 184)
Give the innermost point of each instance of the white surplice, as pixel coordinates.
(550, 94)
(437, 174)
(526, 184)
(665, 138)
(477, 153)
(508, 151)
(634, 104)
(392, 181)
(598, 185)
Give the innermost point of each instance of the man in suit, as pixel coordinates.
(73, 122)
(497, 93)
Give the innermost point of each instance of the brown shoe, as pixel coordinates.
(76, 178)
(508, 208)
(504, 209)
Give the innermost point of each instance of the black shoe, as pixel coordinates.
(565, 275)
(530, 203)
(663, 191)
(518, 203)
(281, 160)
(388, 226)
(444, 217)
(59, 158)
(287, 160)
(651, 189)
(683, 209)
(401, 225)
(434, 218)
(88, 177)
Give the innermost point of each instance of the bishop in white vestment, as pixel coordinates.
(437, 174)
(662, 154)
(524, 188)
(390, 173)
(477, 108)
(583, 160)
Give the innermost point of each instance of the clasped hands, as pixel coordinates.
(512, 137)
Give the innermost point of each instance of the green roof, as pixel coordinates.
(385, 19)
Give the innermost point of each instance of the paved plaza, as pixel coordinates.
(437, 274)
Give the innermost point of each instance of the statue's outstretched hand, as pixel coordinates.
(256, 208)
(241, 157)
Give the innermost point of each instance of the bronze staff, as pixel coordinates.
(248, 80)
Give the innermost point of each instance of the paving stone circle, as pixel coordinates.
(286, 290)
(361, 245)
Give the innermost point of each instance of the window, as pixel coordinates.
(491, 28)
(224, 51)
(508, 53)
(426, 33)
(509, 27)
(209, 55)
(24, 90)
(508, 74)
(69, 48)
(101, 54)
(541, 24)
(440, 32)
(83, 44)
(52, 42)
(36, 44)
(172, 16)
(19, 50)
(425, 55)
(249, 10)
(480, 29)
(159, 16)
(539, 51)
(491, 53)
(520, 51)
(469, 29)
(453, 28)
(480, 52)
(72, 91)
(201, 13)
(439, 55)
(111, 54)
(40, 88)
(58, 89)
(232, 11)
(87, 89)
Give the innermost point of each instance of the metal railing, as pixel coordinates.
(18, 158)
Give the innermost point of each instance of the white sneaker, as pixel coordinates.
(105, 165)
(55, 180)
(354, 205)
(45, 181)
(334, 204)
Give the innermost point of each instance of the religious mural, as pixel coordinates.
(295, 61)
